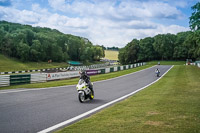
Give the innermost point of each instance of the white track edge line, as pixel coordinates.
(13, 91)
(97, 108)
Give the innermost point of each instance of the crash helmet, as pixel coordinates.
(83, 72)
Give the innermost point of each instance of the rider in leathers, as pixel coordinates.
(86, 78)
(157, 71)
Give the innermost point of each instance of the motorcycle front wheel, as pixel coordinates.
(81, 97)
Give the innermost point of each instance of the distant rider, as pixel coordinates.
(157, 71)
(86, 78)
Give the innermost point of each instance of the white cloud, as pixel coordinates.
(57, 4)
(120, 37)
(179, 3)
(23, 16)
(103, 22)
(125, 10)
(162, 10)
(36, 8)
(3, 0)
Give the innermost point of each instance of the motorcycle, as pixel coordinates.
(157, 73)
(84, 93)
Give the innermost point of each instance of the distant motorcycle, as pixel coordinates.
(84, 93)
(158, 73)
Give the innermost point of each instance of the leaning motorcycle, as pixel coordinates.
(84, 93)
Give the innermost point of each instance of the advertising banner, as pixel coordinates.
(62, 75)
(92, 72)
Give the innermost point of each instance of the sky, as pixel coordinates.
(103, 22)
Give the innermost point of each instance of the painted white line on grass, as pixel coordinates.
(53, 128)
(23, 90)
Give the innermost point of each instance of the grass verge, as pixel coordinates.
(167, 62)
(169, 106)
(8, 64)
(75, 80)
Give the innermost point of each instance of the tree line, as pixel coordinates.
(110, 48)
(29, 43)
(182, 46)
(113, 48)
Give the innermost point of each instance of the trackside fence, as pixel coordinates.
(198, 64)
(4, 80)
(38, 78)
(71, 68)
(114, 69)
(20, 79)
(7, 80)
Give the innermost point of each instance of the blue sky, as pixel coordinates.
(103, 22)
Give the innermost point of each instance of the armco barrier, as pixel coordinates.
(112, 69)
(38, 78)
(4, 80)
(107, 70)
(119, 68)
(78, 68)
(132, 66)
(20, 79)
(124, 67)
(102, 71)
(115, 69)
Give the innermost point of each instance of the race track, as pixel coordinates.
(30, 111)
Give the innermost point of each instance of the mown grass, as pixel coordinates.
(8, 64)
(169, 106)
(111, 55)
(11, 64)
(75, 80)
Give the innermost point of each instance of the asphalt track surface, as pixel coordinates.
(30, 111)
